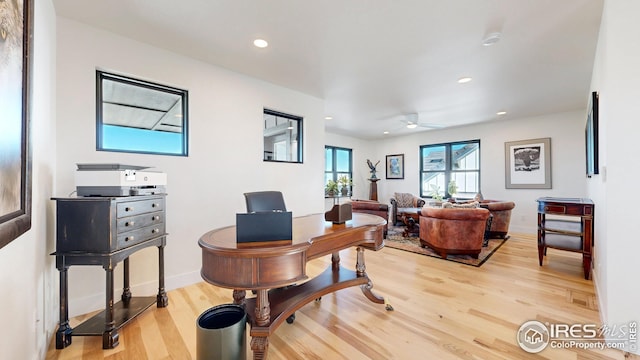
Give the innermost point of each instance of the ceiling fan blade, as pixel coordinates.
(431, 125)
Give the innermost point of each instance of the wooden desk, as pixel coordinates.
(267, 266)
(577, 207)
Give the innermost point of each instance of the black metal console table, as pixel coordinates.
(105, 231)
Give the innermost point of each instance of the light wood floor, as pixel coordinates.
(443, 310)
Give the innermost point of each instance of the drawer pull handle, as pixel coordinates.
(155, 205)
(129, 223)
(128, 238)
(128, 208)
(157, 217)
(155, 231)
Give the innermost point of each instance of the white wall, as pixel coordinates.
(225, 150)
(27, 272)
(566, 131)
(614, 76)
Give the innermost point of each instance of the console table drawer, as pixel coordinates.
(137, 236)
(558, 209)
(139, 221)
(131, 208)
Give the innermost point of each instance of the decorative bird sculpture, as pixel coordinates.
(372, 168)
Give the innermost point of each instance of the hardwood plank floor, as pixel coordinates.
(443, 310)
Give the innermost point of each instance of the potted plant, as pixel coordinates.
(452, 188)
(435, 194)
(331, 188)
(345, 184)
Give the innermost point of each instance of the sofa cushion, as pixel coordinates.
(405, 200)
(470, 205)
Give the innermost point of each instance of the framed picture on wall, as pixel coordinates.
(15, 147)
(395, 166)
(528, 164)
(591, 136)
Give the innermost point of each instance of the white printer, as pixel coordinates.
(118, 180)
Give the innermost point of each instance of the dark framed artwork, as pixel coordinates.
(591, 136)
(395, 166)
(16, 21)
(528, 164)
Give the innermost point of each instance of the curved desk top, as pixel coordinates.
(232, 265)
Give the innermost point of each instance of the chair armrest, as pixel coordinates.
(394, 210)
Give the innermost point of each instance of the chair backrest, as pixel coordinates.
(264, 201)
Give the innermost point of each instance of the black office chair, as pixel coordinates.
(265, 201)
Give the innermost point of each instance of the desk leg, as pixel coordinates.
(335, 261)
(542, 251)
(260, 344)
(366, 288)
(161, 299)
(110, 335)
(239, 297)
(587, 245)
(126, 290)
(263, 309)
(63, 335)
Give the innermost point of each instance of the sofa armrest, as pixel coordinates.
(498, 205)
(369, 205)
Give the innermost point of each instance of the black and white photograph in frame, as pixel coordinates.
(528, 164)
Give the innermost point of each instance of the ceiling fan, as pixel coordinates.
(412, 121)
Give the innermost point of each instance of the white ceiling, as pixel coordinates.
(373, 61)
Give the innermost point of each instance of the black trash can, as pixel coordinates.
(221, 333)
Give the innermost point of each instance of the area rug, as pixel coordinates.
(412, 244)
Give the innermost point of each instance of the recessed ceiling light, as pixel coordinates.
(328, 118)
(260, 43)
(501, 113)
(412, 125)
(463, 80)
(385, 132)
(491, 38)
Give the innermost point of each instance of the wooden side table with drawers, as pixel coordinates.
(105, 231)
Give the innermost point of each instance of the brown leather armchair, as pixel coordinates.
(371, 207)
(453, 231)
(501, 211)
(401, 201)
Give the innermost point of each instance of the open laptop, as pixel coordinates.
(263, 226)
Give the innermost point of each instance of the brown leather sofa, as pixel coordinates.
(453, 231)
(501, 211)
(371, 207)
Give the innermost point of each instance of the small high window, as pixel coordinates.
(139, 116)
(282, 137)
